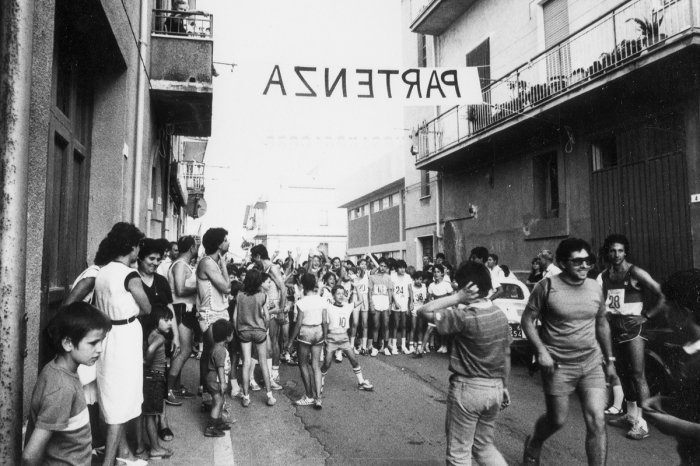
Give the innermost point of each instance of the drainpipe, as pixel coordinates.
(16, 24)
(140, 103)
(437, 181)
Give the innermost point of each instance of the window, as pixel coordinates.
(511, 291)
(323, 218)
(396, 199)
(352, 214)
(481, 56)
(422, 50)
(604, 153)
(546, 185)
(424, 183)
(376, 206)
(386, 203)
(555, 14)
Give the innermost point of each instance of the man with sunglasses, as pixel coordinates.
(573, 350)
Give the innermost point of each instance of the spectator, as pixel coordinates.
(535, 273)
(176, 23)
(546, 264)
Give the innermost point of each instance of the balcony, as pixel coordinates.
(433, 17)
(178, 184)
(181, 70)
(580, 74)
(194, 178)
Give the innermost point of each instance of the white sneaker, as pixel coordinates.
(638, 432)
(338, 356)
(394, 351)
(405, 350)
(304, 401)
(442, 349)
(274, 385)
(254, 386)
(357, 351)
(374, 352)
(387, 351)
(427, 348)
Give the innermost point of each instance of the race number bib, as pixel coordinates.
(399, 290)
(379, 290)
(615, 301)
(419, 298)
(362, 288)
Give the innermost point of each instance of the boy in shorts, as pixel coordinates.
(337, 338)
(403, 303)
(59, 431)
(420, 293)
(216, 379)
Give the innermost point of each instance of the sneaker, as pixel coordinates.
(366, 386)
(293, 362)
(638, 432)
(212, 431)
(622, 421)
(223, 426)
(254, 386)
(287, 357)
(205, 408)
(374, 352)
(426, 349)
(245, 401)
(198, 355)
(394, 351)
(531, 456)
(364, 352)
(304, 401)
(238, 395)
(356, 350)
(442, 349)
(171, 400)
(183, 393)
(271, 400)
(274, 385)
(405, 350)
(338, 356)
(318, 404)
(387, 351)
(275, 379)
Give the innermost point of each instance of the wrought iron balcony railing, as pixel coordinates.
(183, 23)
(194, 177)
(602, 46)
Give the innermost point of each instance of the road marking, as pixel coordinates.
(223, 451)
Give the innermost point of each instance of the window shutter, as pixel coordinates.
(556, 21)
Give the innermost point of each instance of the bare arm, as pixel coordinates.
(80, 290)
(497, 294)
(297, 327)
(136, 290)
(213, 273)
(152, 348)
(33, 454)
(650, 284)
(324, 323)
(544, 359)
(180, 277)
(279, 282)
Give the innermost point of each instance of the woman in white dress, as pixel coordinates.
(119, 294)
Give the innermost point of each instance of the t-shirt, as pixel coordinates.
(482, 339)
(327, 295)
(551, 271)
(420, 293)
(312, 306)
(164, 267)
(218, 358)
(251, 315)
(362, 287)
(159, 291)
(438, 290)
(339, 318)
(349, 288)
(568, 318)
(401, 284)
(58, 404)
(379, 286)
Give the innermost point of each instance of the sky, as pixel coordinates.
(258, 142)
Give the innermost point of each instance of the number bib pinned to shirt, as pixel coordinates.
(615, 300)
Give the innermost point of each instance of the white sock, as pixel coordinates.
(393, 342)
(275, 371)
(358, 373)
(632, 409)
(364, 343)
(269, 366)
(352, 342)
(618, 396)
(403, 343)
(269, 394)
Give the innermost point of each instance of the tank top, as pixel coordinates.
(622, 298)
(312, 306)
(250, 311)
(339, 318)
(208, 297)
(158, 363)
(190, 281)
(273, 294)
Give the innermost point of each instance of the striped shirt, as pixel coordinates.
(482, 339)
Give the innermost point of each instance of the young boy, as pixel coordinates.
(381, 298)
(420, 293)
(403, 303)
(337, 338)
(59, 424)
(218, 368)
(350, 296)
(437, 289)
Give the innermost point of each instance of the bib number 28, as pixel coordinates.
(615, 299)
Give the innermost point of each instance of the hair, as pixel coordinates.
(264, 277)
(150, 321)
(150, 246)
(506, 270)
(185, 243)
(336, 288)
(616, 238)
(240, 271)
(428, 256)
(475, 272)
(213, 238)
(165, 245)
(683, 290)
(440, 255)
(221, 329)
(569, 245)
(427, 275)
(120, 241)
(231, 269)
(327, 276)
(259, 250)
(494, 257)
(546, 254)
(74, 321)
(448, 267)
(401, 264)
(418, 275)
(308, 282)
(338, 259)
(384, 260)
(392, 262)
(480, 252)
(439, 267)
(251, 283)
(410, 270)
(536, 260)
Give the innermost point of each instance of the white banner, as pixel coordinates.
(404, 86)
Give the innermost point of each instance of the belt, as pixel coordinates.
(124, 321)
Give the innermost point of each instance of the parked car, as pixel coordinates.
(512, 302)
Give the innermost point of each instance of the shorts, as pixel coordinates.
(234, 346)
(154, 389)
(338, 341)
(567, 377)
(623, 328)
(254, 335)
(311, 335)
(212, 387)
(185, 317)
(208, 317)
(281, 319)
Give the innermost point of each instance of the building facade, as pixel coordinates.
(589, 126)
(105, 116)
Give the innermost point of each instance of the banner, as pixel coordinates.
(403, 86)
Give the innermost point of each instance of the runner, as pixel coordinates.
(437, 289)
(403, 304)
(420, 293)
(623, 288)
(350, 297)
(361, 287)
(380, 302)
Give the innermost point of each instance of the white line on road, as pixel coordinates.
(223, 451)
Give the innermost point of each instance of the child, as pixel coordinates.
(218, 368)
(329, 281)
(381, 298)
(337, 338)
(437, 289)
(420, 293)
(311, 328)
(361, 286)
(349, 296)
(156, 326)
(59, 425)
(403, 303)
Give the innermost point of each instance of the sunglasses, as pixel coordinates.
(580, 260)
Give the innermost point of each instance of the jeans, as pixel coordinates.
(472, 407)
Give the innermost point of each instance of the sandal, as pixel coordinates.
(163, 456)
(166, 434)
(613, 410)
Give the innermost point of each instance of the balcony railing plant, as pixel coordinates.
(607, 43)
(183, 23)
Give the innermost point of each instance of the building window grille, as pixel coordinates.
(546, 185)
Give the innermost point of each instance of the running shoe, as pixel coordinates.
(374, 352)
(394, 351)
(387, 351)
(531, 456)
(364, 352)
(338, 356)
(356, 350)
(622, 421)
(183, 393)
(245, 401)
(212, 431)
(254, 386)
(271, 400)
(638, 431)
(304, 401)
(274, 385)
(293, 362)
(427, 349)
(318, 404)
(287, 357)
(405, 350)
(171, 400)
(442, 349)
(366, 386)
(198, 355)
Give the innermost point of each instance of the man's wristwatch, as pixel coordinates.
(611, 359)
